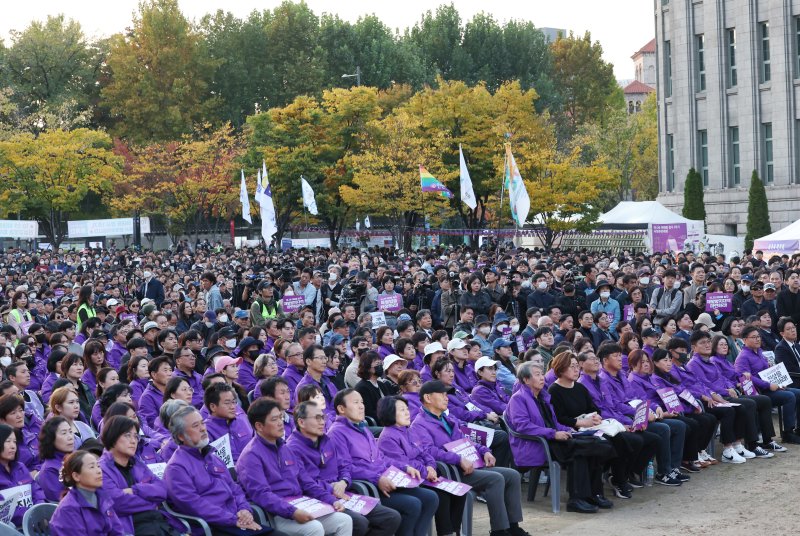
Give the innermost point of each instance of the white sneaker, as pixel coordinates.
(743, 452)
(704, 456)
(729, 455)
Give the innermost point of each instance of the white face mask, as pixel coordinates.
(484, 330)
(542, 285)
(5, 360)
(230, 343)
(645, 281)
(223, 318)
(676, 284)
(209, 324)
(515, 328)
(745, 288)
(605, 294)
(318, 339)
(147, 275)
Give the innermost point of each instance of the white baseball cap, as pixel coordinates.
(456, 344)
(390, 360)
(484, 361)
(112, 302)
(433, 348)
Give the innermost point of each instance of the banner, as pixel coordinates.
(464, 448)
(292, 304)
(111, 227)
(158, 468)
(390, 302)
(378, 319)
(668, 236)
(670, 399)
(776, 374)
(722, 301)
(747, 387)
(361, 504)
(480, 435)
(467, 193)
(19, 229)
(223, 446)
(690, 399)
(640, 418)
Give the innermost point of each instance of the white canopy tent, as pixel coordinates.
(786, 240)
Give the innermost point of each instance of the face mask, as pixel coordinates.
(5, 361)
(147, 275)
(745, 288)
(683, 358)
(645, 281)
(676, 285)
(209, 324)
(318, 339)
(542, 285)
(484, 330)
(525, 284)
(254, 354)
(41, 338)
(501, 327)
(223, 318)
(331, 276)
(230, 343)
(515, 328)
(605, 294)
(379, 370)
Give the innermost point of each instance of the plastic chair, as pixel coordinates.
(186, 518)
(451, 472)
(553, 469)
(36, 521)
(8, 530)
(364, 487)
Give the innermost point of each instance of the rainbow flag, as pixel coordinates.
(430, 184)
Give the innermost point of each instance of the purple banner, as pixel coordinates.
(58, 292)
(640, 418)
(292, 304)
(479, 437)
(747, 386)
(722, 301)
(627, 312)
(668, 236)
(671, 400)
(391, 303)
(401, 479)
(690, 399)
(130, 316)
(313, 506)
(361, 504)
(464, 448)
(777, 246)
(450, 486)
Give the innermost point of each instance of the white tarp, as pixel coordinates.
(786, 240)
(111, 227)
(19, 229)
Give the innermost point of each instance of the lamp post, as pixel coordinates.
(357, 75)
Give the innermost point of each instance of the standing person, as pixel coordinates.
(212, 294)
(152, 288)
(19, 314)
(85, 306)
(668, 300)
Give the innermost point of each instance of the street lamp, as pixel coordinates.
(357, 75)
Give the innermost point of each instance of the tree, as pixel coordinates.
(49, 176)
(159, 76)
(694, 207)
(757, 212)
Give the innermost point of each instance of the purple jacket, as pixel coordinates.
(150, 404)
(403, 451)
(137, 387)
(414, 405)
(726, 368)
(39, 371)
(709, 374)
(425, 374)
(90, 380)
(20, 476)
(49, 478)
(239, 430)
(199, 484)
(661, 383)
(270, 473)
(752, 362)
(195, 381)
(430, 432)
(549, 378)
(458, 401)
(293, 376)
(149, 491)
(328, 391)
(384, 350)
(465, 378)
(690, 381)
(489, 395)
(524, 417)
(357, 447)
(247, 378)
(320, 460)
(603, 399)
(114, 356)
(47, 386)
(76, 516)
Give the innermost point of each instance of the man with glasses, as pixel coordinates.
(224, 417)
(294, 369)
(316, 363)
(185, 368)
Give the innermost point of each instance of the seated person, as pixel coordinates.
(220, 400)
(316, 362)
(152, 397)
(55, 442)
(14, 474)
(487, 391)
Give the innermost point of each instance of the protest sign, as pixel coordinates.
(721, 301)
(24, 326)
(361, 504)
(378, 319)
(452, 487)
(507, 333)
(292, 304)
(223, 446)
(130, 316)
(314, 507)
(521, 346)
(776, 374)
(641, 416)
(747, 386)
(627, 313)
(401, 479)
(690, 399)
(480, 435)
(7, 508)
(668, 236)
(670, 399)
(464, 448)
(157, 468)
(390, 302)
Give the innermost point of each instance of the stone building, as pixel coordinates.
(728, 84)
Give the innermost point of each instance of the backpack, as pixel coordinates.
(660, 294)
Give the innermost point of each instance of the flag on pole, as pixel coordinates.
(259, 190)
(245, 199)
(367, 224)
(467, 194)
(269, 224)
(430, 184)
(517, 193)
(308, 197)
(358, 225)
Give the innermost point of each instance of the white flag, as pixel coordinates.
(467, 194)
(245, 199)
(308, 197)
(517, 193)
(259, 190)
(269, 224)
(358, 225)
(367, 224)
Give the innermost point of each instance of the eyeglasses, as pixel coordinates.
(415, 383)
(322, 358)
(755, 337)
(318, 418)
(294, 355)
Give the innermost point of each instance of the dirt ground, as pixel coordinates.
(723, 499)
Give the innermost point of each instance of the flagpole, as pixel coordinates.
(305, 219)
(502, 194)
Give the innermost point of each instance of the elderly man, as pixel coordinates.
(198, 482)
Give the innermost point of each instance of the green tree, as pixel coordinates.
(757, 212)
(530, 60)
(438, 37)
(694, 207)
(160, 73)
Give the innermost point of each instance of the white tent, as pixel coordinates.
(787, 240)
(665, 229)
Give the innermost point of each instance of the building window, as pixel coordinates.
(766, 131)
(766, 73)
(797, 47)
(731, 46)
(701, 62)
(670, 163)
(736, 171)
(667, 69)
(702, 155)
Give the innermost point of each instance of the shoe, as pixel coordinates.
(743, 452)
(701, 464)
(772, 446)
(623, 491)
(516, 530)
(706, 457)
(600, 501)
(791, 438)
(761, 453)
(729, 455)
(666, 480)
(690, 467)
(635, 481)
(581, 507)
(677, 475)
(503, 532)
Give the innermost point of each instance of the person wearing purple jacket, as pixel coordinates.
(220, 400)
(119, 336)
(385, 339)
(409, 383)
(433, 429)
(357, 447)
(461, 405)
(487, 392)
(14, 474)
(135, 491)
(294, 370)
(277, 389)
(318, 458)
(153, 396)
(184, 367)
(397, 445)
(56, 440)
(270, 474)
(751, 360)
(199, 483)
(465, 372)
(529, 412)
(12, 413)
(86, 509)
(137, 374)
(316, 363)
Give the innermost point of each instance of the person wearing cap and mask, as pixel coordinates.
(465, 378)
(606, 304)
(506, 369)
(483, 328)
(151, 287)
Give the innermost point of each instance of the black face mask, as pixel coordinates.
(683, 357)
(379, 370)
(41, 338)
(254, 354)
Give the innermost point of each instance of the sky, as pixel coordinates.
(621, 26)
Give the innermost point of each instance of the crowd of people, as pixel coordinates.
(143, 387)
